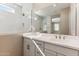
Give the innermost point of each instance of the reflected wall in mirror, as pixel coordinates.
(56, 18)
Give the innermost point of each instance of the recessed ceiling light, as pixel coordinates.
(54, 5)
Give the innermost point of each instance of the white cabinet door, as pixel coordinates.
(29, 48)
(26, 49)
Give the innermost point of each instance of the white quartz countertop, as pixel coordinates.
(68, 41)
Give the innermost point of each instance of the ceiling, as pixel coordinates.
(43, 9)
(51, 9)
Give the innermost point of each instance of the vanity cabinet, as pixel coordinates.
(48, 49)
(54, 50)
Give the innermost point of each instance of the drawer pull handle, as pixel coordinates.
(37, 52)
(28, 46)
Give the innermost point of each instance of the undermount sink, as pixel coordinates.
(32, 34)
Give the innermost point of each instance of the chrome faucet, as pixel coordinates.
(59, 37)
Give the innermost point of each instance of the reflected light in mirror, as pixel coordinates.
(35, 19)
(56, 27)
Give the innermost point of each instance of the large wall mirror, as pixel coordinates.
(53, 18)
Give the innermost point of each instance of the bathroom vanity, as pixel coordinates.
(51, 44)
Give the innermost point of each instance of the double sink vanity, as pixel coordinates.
(51, 44)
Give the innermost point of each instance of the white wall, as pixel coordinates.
(72, 21)
(77, 19)
(14, 23)
(64, 21)
(26, 8)
(9, 23)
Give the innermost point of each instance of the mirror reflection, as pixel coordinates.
(51, 18)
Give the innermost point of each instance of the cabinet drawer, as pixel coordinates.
(29, 48)
(61, 50)
(49, 53)
(26, 43)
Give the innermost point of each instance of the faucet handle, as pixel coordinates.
(59, 37)
(56, 36)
